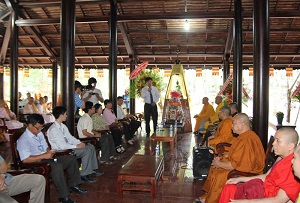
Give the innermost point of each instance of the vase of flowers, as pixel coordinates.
(279, 116)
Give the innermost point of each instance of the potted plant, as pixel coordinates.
(279, 116)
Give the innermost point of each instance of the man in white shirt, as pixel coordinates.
(96, 93)
(60, 139)
(134, 124)
(85, 129)
(151, 96)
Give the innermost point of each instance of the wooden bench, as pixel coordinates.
(139, 171)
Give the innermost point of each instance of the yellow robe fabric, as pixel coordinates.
(223, 133)
(215, 117)
(246, 154)
(206, 112)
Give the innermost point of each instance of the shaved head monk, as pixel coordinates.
(245, 154)
(278, 185)
(206, 112)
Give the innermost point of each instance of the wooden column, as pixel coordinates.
(132, 100)
(238, 55)
(113, 48)
(14, 94)
(261, 57)
(54, 83)
(67, 55)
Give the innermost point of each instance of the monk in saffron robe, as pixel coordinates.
(245, 154)
(215, 118)
(223, 132)
(296, 166)
(279, 184)
(206, 112)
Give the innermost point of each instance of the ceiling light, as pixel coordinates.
(186, 25)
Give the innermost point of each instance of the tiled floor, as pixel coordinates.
(178, 186)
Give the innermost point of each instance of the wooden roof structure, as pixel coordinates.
(150, 30)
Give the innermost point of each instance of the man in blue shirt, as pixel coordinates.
(32, 147)
(78, 103)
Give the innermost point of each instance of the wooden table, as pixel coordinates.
(164, 136)
(140, 169)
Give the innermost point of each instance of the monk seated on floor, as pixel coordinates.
(245, 154)
(223, 132)
(278, 185)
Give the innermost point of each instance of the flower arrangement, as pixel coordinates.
(139, 82)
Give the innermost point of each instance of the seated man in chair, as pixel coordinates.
(133, 124)
(14, 185)
(278, 185)
(60, 139)
(32, 147)
(245, 154)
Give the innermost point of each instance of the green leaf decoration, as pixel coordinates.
(139, 82)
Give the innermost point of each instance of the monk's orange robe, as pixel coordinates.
(245, 154)
(215, 117)
(281, 176)
(206, 112)
(223, 133)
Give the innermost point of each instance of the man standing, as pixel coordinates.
(94, 94)
(85, 129)
(278, 184)
(32, 147)
(14, 185)
(206, 112)
(245, 154)
(78, 103)
(151, 96)
(126, 98)
(61, 139)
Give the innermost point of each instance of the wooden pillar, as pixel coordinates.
(113, 46)
(14, 94)
(132, 100)
(238, 55)
(54, 83)
(67, 55)
(261, 57)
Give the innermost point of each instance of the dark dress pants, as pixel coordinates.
(57, 173)
(150, 110)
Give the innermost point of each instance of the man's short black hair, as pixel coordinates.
(92, 80)
(78, 85)
(88, 106)
(119, 97)
(58, 110)
(147, 79)
(106, 101)
(35, 118)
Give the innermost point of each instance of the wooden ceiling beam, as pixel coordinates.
(184, 63)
